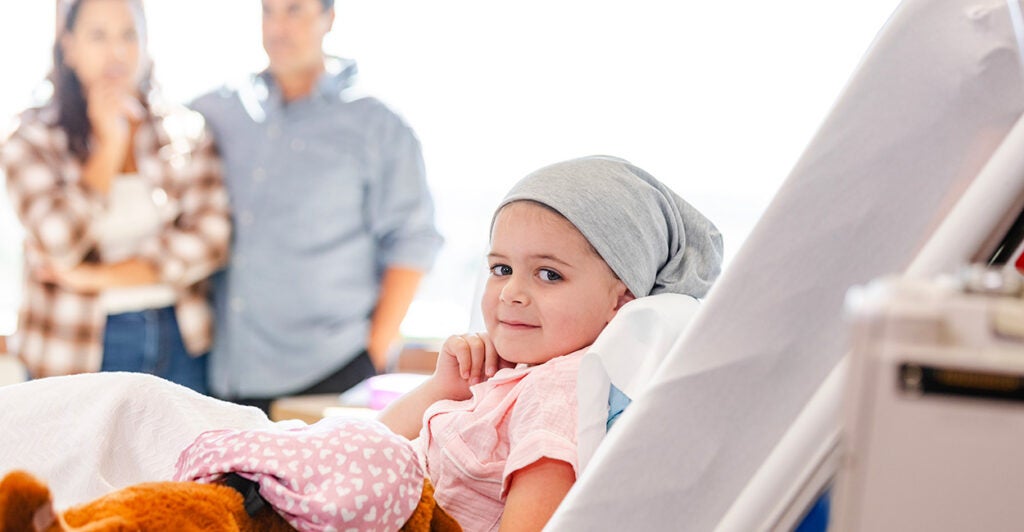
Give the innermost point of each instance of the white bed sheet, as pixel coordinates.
(86, 435)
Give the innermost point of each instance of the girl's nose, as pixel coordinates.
(514, 292)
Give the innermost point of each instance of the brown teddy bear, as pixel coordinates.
(26, 506)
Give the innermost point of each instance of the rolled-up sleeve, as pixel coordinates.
(401, 209)
(55, 211)
(543, 422)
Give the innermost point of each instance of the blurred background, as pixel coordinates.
(717, 99)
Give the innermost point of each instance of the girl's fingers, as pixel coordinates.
(476, 357)
(478, 352)
(460, 348)
(493, 360)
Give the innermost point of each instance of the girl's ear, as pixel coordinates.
(624, 297)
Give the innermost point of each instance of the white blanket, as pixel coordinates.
(87, 435)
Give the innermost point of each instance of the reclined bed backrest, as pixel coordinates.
(936, 94)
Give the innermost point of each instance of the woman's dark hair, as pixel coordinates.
(68, 95)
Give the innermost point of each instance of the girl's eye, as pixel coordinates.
(501, 270)
(549, 275)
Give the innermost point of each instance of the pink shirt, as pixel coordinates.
(471, 448)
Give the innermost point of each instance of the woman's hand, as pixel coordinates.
(84, 278)
(112, 111)
(112, 114)
(88, 278)
(465, 360)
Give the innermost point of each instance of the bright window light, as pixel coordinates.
(717, 99)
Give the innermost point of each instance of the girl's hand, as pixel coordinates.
(465, 360)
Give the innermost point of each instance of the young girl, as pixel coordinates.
(494, 428)
(123, 209)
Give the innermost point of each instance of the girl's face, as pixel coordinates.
(549, 293)
(104, 47)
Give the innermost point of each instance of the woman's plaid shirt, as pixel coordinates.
(60, 331)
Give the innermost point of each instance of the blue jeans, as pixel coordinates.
(149, 341)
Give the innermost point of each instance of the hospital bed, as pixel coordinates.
(806, 460)
(915, 170)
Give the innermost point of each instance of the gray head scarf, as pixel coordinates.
(652, 239)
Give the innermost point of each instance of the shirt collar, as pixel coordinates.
(339, 74)
(520, 370)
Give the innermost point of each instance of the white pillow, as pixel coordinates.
(627, 353)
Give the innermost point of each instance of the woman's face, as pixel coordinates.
(105, 45)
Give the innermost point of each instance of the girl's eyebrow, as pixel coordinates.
(541, 256)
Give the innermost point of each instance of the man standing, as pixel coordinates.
(333, 219)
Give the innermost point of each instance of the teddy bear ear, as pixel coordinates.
(25, 503)
(45, 518)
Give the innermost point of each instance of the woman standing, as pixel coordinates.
(123, 208)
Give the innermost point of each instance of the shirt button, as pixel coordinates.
(259, 175)
(298, 145)
(237, 304)
(246, 218)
